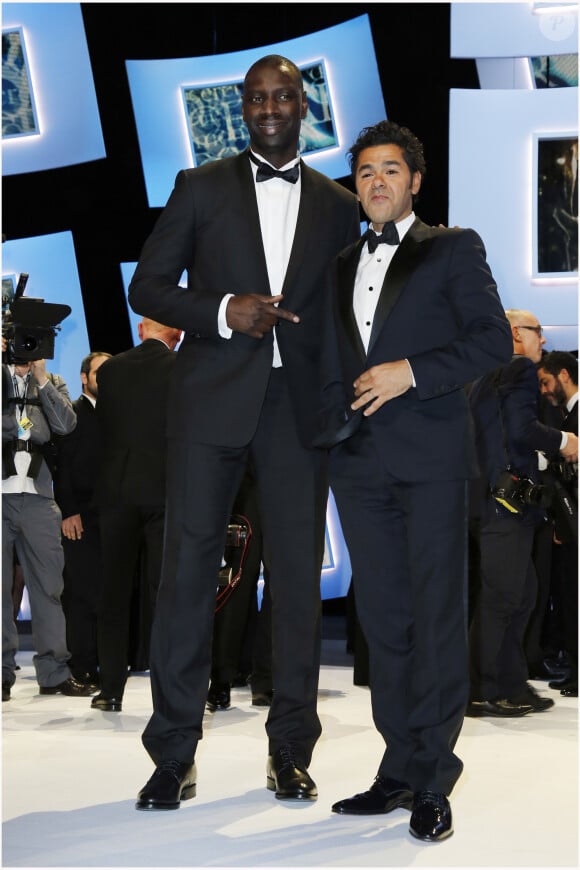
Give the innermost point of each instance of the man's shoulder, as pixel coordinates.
(328, 185)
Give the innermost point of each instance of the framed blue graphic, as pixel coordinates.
(18, 111)
(216, 128)
(188, 110)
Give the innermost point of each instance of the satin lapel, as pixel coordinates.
(347, 267)
(412, 250)
(305, 228)
(250, 208)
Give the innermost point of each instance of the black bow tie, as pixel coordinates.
(389, 236)
(265, 171)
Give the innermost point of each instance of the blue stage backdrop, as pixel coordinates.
(188, 110)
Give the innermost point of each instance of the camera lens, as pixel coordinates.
(28, 342)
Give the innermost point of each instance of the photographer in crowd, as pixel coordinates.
(558, 377)
(512, 504)
(35, 407)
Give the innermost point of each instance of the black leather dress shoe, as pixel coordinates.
(545, 672)
(384, 796)
(563, 682)
(288, 777)
(107, 705)
(262, 699)
(87, 678)
(6, 687)
(431, 818)
(69, 687)
(218, 696)
(570, 690)
(499, 707)
(172, 782)
(535, 700)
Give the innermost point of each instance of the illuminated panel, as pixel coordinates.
(217, 130)
(345, 55)
(51, 264)
(18, 112)
(513, 29)
(555, 206)
(64, 104)
(491, 172)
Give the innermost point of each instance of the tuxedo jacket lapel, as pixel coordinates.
(305, 229)
(250, 206)
(412, 250)
(345, 292)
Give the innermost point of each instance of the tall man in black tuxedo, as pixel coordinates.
(132, 413)
(75, 479)
(414, 315)
(256, 233)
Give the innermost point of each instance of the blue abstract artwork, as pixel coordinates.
(18, 115)
(216, 128)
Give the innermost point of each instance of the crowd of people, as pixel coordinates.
(310, 356)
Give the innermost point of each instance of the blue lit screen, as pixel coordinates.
(342, 83)
(50, 116)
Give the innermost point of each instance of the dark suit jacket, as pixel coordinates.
(211, 227)
(438, 308)
(132, 411)
(512, 438)
(78, 462)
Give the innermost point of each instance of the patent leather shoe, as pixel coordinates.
(533, 698)
(87, 678)
(70, 687)
(106, 704)
(288, 777)
(499, 707)
(383, 796)
(570, 690)
(431, 818)
(262, 699)
(218, 697)
(563, 682)
(172, 782)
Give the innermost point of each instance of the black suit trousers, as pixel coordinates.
(498, 666)
(203, 480)
(130, 536)
(407, 544)
(82, 594)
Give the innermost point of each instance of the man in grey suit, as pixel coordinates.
(256, 233)
(35, 407)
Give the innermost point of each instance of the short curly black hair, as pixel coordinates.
(389, 133)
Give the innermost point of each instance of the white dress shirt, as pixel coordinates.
(278, 204)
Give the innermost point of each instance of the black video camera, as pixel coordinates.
(29, 327)
(515, 492)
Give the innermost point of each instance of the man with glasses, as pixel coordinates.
(510, 441)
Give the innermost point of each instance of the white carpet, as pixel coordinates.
(71, 774)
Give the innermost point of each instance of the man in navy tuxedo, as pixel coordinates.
(414, 314)
(256, 233)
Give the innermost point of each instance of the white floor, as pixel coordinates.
(70, 776)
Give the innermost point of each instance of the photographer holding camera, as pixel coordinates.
(35, 407)
(512, 504)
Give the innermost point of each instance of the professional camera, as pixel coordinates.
(515, 492)
(29, 326)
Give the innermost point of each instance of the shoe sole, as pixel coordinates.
(473, 714)
(404, 805)
(114, 708)
(290, 796)
(438, 839)
(187, 793)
